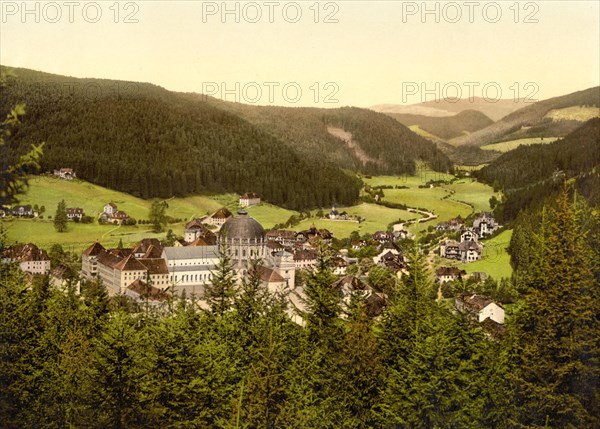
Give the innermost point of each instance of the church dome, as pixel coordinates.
(242, 228)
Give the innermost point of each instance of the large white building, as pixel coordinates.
(190, 267)
(30, 258)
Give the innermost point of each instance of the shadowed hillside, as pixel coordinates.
(542, 119)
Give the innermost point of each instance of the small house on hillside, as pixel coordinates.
(22, 211)
(65, 173)
(75, 213)
(249, 199)
(219, 217)
(479, 307)
(447, 274)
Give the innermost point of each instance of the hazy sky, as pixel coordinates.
(308, 53)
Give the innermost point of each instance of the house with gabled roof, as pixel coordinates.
(195, 229)
(75, 213)
(144, 293)
(22, 211)
(485, 224)
(31, 259)
(448, 274)
(219, 217)
(249, 199)
(479, 307)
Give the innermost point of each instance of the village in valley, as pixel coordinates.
(152, 271)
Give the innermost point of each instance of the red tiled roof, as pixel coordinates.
(25, 253)
(152, 293)
(130, 263)
(94, 249)
(155, 266)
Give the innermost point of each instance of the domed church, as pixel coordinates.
(245, 239)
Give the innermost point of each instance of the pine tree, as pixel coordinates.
(119, 366)
(556, 329)
(219, 294)
(60, 218)
(157, 215)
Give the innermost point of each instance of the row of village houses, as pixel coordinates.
(152, 272)
(148, 272)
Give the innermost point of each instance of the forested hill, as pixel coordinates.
(142, 139)
(556, 117)
(529, 174)
(446, 127)
(390, 147)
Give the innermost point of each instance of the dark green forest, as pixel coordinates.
(87, 361)
(144, 140)
(529, 175)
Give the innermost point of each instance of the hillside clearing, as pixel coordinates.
(513, 144)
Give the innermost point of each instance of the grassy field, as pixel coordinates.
(513, 144)
(495, 260)
(447, 201)
(269, 215)
(78, 236)
(48, 191)
(574, 113)
(377, 218)
(472, 192)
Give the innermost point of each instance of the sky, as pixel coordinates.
(308, 53)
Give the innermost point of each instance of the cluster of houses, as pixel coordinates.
(28, 211)
(341, 216)
(468, 249)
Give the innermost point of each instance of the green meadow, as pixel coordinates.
(495, 259)
(377, 218)
(447, 201)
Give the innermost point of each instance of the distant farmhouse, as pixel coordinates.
(30, 258)
(65, 173)
(335, 215)
(249, 199)
(110, 214)
(75, 213)
(22, 211)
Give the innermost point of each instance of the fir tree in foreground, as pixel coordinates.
(556, 331)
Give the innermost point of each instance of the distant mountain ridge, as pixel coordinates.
(494, 110)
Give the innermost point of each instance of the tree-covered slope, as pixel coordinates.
(390, 146)
(142, 139)
(529, 174)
